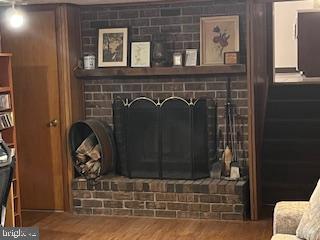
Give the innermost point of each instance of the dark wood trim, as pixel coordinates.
(270, 43)
(160, 71)
(63, 58)
(251, 119)
(71, 100)
(260, 72)
(286, 70)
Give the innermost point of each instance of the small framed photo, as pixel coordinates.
(191, 57)
(140, 54)
(113, 47)
(217, 36)
(231, 57)
(177, 59)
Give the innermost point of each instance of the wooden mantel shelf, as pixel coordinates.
(121, 72)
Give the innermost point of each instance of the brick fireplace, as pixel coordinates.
(180, 22)
(206, 198)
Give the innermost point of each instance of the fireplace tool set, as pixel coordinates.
(228, 167)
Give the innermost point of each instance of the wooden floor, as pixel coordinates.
(65, 226)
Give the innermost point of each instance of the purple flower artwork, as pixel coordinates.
(220, 39)
(219, 34)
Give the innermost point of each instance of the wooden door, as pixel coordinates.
(35, 74)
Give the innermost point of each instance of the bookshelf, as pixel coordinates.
(8, 133)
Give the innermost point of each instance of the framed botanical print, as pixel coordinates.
(217, 36)
(140, 54)
(113, 47)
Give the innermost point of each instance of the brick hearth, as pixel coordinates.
(200, 199)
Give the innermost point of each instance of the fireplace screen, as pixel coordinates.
(167, 139)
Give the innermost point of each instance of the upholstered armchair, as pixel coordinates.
(298, 220)
(287, 216)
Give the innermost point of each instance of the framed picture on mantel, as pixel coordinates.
(113, 47)
(217, 36)
(140, 54)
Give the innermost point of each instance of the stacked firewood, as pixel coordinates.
(88, 158)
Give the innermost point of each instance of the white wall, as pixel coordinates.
(285, 14)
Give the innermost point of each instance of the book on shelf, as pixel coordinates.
(6, 120)
(5, 102)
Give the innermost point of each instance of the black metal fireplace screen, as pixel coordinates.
(165, 139)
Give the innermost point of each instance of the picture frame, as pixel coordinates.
(231, 57)
(177, 59)
(140, 54)
(113, 47)
(217, 36)
(191, 57)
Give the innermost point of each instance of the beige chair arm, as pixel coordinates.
(287, 216)
(285, 237)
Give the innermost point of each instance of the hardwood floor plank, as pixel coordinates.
(57, 226)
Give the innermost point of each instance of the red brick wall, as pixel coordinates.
(181, 24)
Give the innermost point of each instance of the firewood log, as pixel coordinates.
(88, 157)
(87, 166)
(94, 154)
(88, 144)
(82, 167)
(96, 166)
(81, 158)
